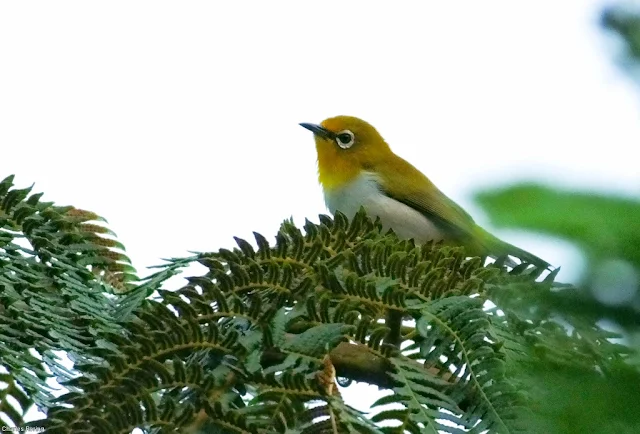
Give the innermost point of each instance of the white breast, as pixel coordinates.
(364, 191)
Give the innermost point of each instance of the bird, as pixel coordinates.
(357, 168)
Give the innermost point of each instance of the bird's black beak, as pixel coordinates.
(318, 130)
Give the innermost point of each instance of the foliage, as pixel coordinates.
(607, 230)
(55, 270)
(604, 227)
(624, 21)
(255, 342)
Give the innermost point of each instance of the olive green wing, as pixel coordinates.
(418, 192)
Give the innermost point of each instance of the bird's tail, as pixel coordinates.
(497, 248)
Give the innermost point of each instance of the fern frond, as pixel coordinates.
(255, 343)
(421, 394)
(456, 331)
(56, 268)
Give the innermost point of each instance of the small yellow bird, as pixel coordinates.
(356, 168)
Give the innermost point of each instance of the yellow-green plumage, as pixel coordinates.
(365, 172)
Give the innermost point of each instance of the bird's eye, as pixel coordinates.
(345, 139)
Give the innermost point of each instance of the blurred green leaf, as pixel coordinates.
(606, 228)
(573, 400)
(625, 22)
(603, 226)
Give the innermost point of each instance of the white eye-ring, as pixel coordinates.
(345, 139)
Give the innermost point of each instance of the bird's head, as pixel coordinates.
(346, 147)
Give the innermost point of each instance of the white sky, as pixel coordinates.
(178, 121)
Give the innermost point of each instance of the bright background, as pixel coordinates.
(178, 121)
